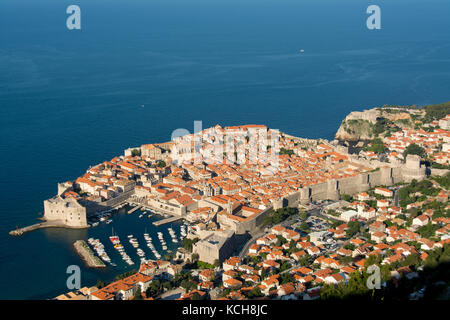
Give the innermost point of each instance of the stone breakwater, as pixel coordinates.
(87, 255)
(41, 225)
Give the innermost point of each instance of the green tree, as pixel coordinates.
(137, 295)
(286, 151)
(255, 293)
(353, 228)
(196, 296)
(414, 149)
(346, 197)
(303, 215)
(135, 152)
(377, 146)
(188, 243)
(304, 226)
(161, 164)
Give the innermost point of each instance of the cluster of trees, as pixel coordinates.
(286, 151)
(254, 293)
(205, 265)
(428, 230)
(414, 149)
(377, 146)
(356, 288)
(303, 215)
(284, 266)
(188, 243)
(280, 241)
(304, 226)
(286, 278)
(436, 111)
(333, 213)
(350, 246)
(279, 215)
(158, 286)
(380, 126)
(424, 188)
(443, 181)
(434, 277)
(438, 256)
(161, 163)
(347, 197)
(101, 284)
(436, 165)
(353, 228)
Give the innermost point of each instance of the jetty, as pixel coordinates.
(164, 221)
(86, 254)
(135, 209)
(42, 225)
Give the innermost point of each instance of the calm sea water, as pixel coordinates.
(70, 99)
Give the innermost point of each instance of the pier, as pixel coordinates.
(164, 221)
(41, 225)
(135, 209)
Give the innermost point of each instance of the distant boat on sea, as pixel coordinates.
(301, 51)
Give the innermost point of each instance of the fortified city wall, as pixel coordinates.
(333, 189)
(74, 213)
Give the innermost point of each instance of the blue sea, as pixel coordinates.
(73, 98)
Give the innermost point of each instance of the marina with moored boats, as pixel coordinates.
(134, 247)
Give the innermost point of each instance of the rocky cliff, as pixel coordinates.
(367, 124)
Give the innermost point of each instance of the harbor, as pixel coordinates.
(131, 240)
(100, 258)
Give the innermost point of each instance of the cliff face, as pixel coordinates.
(354, 131)
(365, 125)
(358, 126)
